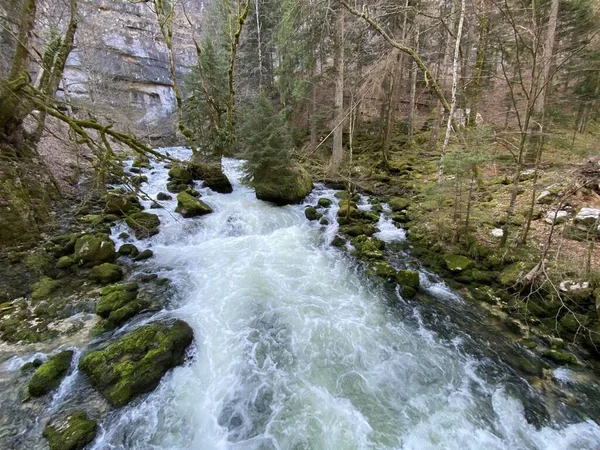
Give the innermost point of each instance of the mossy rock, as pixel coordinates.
(107, 273)
(176, 186)
(143, 224)
(135, 363)
(163, 196)
(348, 210)
(283, 188)
(384, 269)
(48, 376)
(146, 254)
(129, 250)
(121, 204)
(324, 221)
(44, 288)
(192, 192)
(71, 433)
(324, 202)
(91, 250)
(560, 357)
(31, 365)
(513, 274)
(338, 241)
(398, 204)
(119, 303)
(180, 174)
(368, 247)
(358, 229)
(345, 195)
(311, 213)
(212, 175)
(189, 206)
(139, 180)
(141, 162)
(408, 278)
(457, 263)
(408, 292)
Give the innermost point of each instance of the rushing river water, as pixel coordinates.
(296, 349)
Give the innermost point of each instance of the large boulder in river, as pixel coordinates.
(94, 249)
(180, 174)
(144, 224)
(190, 206)
(135, 363)
(212, 175)
(282, 188)
(49, 375)
(72, 432)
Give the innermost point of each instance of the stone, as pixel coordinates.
(497, 232)
(91, 250)
(384, 269)
(119, 303)
(514, 273)
(176, 186)
(338, 241)
(284, 189)
(348, 209)
(457, 263)
(368, 247)
(31, 365)
(398, 204)
(345, 195)
(556, 217)
(311, 213)
(588, 216)
(129, 250)
(71, 433)
(324, 202)
(180, 174)
(189, 206)
(192, 192)
(139, 180)
(146, 254)
(212, 175)
(527, 175)
(324, 221)
(163, 196)
(135, 364)
(120, 204)
(546, 197)
(143, 224)
(48, 376)
(44, 288)
(408, 278)
(141, 161)
(358, 229)
(107, 273)
(560, 357)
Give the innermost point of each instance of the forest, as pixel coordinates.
(157, 157)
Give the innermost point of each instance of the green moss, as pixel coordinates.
(180, 174)
(142, 162)
(512, 275)
(368, 247)
(398, 204)
(146, 254)
(384, 270)
(408, 278)
(345, 195)
(129, 250)
(92, 250)
(121, 204)
(74, 433)
(44, 288)
(212, 175)
(143, 224)
(560, 357)
(283, 189)
(457, 263)
(119, 303)
(358, 229)
(40, 261)
(135, 363)
(324, 202)
(107, 273)
(348, 209)
(311, 213)
(176, 186)
(49, 375)
(189, 206)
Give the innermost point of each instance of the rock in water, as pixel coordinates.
(119, 303)
(144, 224)
(71, 433)
(135, 363)
(212, 175)
(283, 189)
(49, 375)
(190, 206)
(92, 250)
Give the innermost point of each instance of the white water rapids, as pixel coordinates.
(296, 349)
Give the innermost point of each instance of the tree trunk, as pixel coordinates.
(484, 28)
(338, 61)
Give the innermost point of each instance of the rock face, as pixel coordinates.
(135, 364)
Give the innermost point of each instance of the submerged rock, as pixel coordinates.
(135, 363)
(144, 224)
(283, 189)
(212, 175)
(91, 250)
(71, 433)
(189, 206)
(49, 375)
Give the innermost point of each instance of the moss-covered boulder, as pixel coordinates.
(368, 247)
(345, 195)
(121, 204)
(212, 175)
(358, 229)
(348, 210)
(180, 174)
(457, 263)
(176, 186)
(141, 161)
(119, 303)
(560, 357)
(283, 189)
(64, 262)
(107, 273)
(408, 278)
(162, 196)
(324, 202)
(146, 254)
(44, 288)
(135, 363)
(73, 432)
(91, 250)
(384, 269)
(311, 213)
(48, 376)
(143, 224)
(189, 206)
(128, 250)
(398, 204)
(514, 273)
